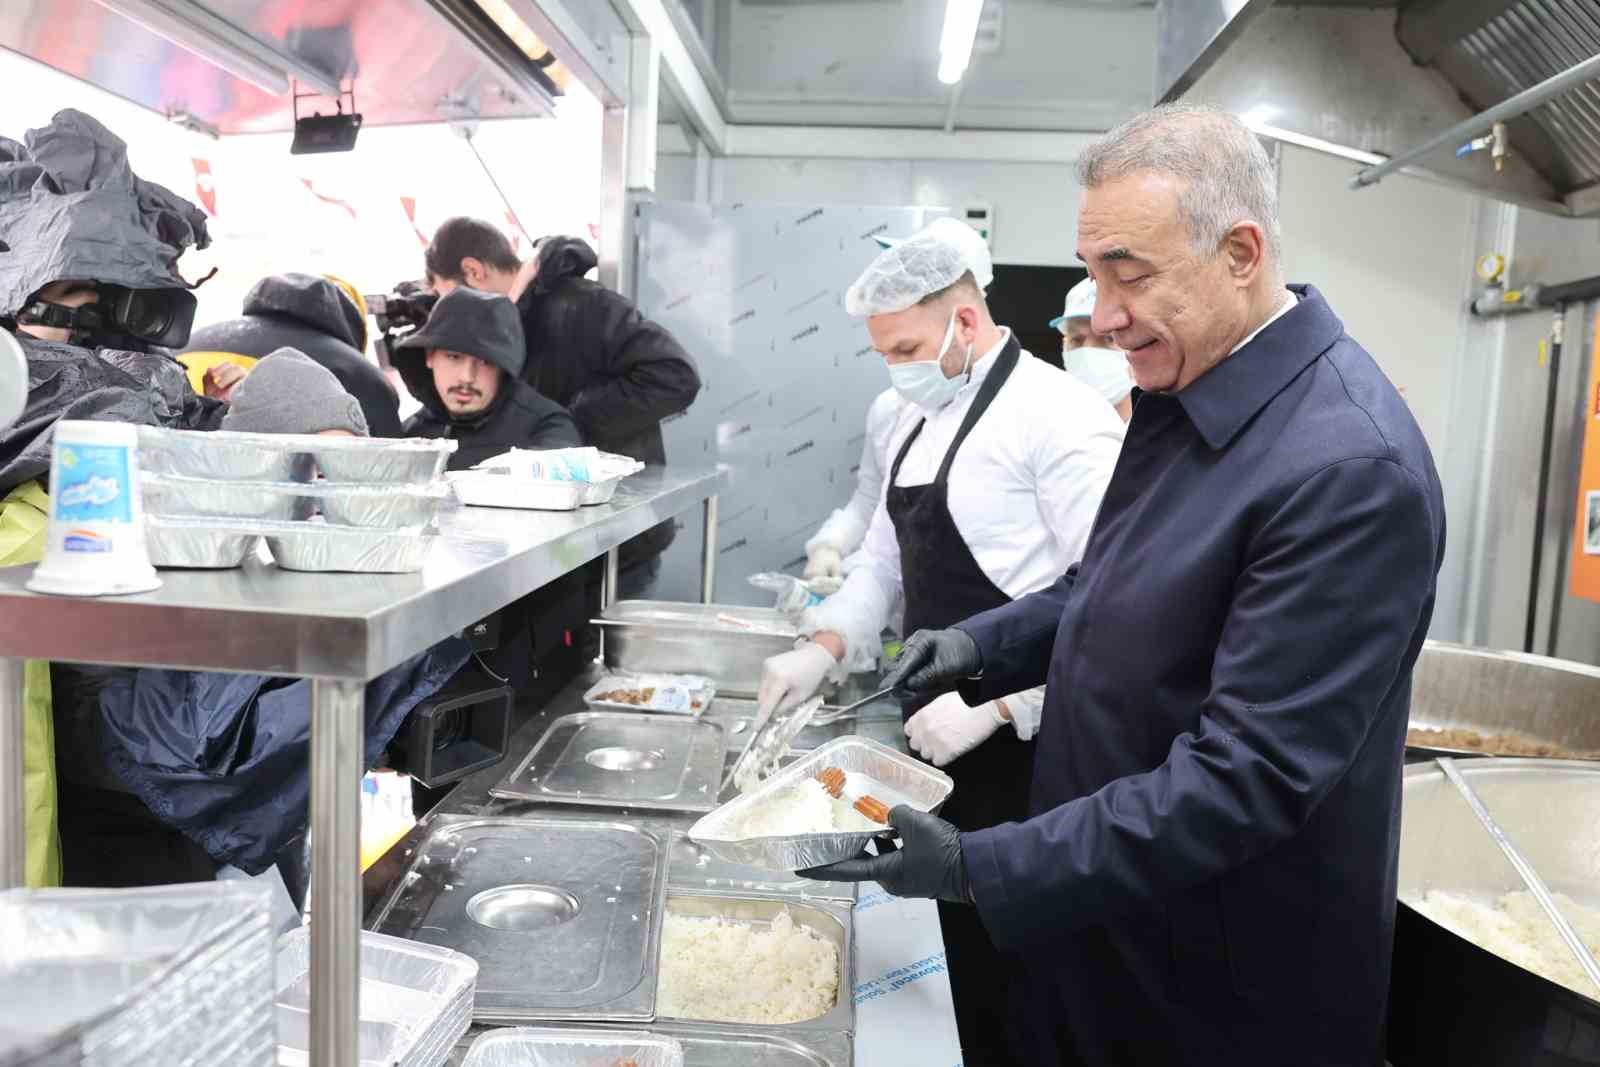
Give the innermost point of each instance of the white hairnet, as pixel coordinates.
(933, 258)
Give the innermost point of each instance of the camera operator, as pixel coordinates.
(89, 287)
(321, 317)
(588, 349)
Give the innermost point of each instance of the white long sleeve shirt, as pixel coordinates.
(846, 528)
(1023, 492)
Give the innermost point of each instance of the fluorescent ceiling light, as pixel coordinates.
(955, 43)
(194, 29)
(1316, 144)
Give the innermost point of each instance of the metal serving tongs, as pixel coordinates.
(850, 711)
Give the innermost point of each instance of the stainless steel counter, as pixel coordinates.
(341, 631)
(347, 627)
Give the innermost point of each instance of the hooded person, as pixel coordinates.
(323, 318)
(464, 367)
(1090, 357)
(589, 349)
(90, 288)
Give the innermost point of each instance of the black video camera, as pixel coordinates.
(121, 317)
(399, 313)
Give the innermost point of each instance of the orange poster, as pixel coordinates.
(1586, 543)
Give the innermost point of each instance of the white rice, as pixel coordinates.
(1515, 928)
(804, 808)
(719, 970)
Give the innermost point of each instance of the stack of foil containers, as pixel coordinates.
(176, 975)
(416, 1000)
(320, 503)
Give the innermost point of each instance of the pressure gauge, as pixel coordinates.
(1490, 266)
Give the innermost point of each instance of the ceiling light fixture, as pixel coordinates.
(194, 29)
(1316, 144)
(955, 43)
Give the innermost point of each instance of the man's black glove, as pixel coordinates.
(934, 662)
(927, 864)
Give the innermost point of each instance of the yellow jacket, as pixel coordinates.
(23, 514)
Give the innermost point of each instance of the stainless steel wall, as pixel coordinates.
(756, 293)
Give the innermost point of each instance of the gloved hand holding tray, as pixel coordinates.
(735, 832)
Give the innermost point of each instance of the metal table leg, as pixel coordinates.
(608, 586)
(337, 736)
(708, 554)
(13, 829)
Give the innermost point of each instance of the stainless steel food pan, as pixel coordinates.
(1550, 700)
(832, 921)
(726, 643)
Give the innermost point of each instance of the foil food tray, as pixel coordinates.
(832, 921)
(562, 915)
(530, 1047)
(709, 1046)
(693, 868)
(187, 543)
(310, 547)
(126, 976)
(167, 497)
(896, 778)
(408, 993)
(234, 456)
(390, 507)
(375, 461)
(501, 489)
(621, 759)
(217, 454)
(674, 694)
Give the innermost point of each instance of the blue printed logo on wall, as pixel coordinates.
(92, 486)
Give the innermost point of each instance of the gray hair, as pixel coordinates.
(1228, 177)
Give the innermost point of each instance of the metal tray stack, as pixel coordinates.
(416, 1000)
(211, 497)
(175, 975)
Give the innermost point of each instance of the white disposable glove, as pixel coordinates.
(824, 561)
(949, 728)
(790, 678)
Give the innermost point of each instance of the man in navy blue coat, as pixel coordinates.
(1208, 873)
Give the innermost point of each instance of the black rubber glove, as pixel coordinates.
(927, 864)
(934, 662)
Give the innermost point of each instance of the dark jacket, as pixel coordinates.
(619, 374)
(311, 315)
(1209, 873)
(485, 326)
(225, 758)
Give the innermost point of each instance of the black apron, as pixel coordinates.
(944, 585)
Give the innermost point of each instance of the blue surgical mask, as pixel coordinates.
(923, 383)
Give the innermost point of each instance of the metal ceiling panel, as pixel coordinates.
(409, 63)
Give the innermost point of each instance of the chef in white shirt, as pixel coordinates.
(998, 465)
(832, 550)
